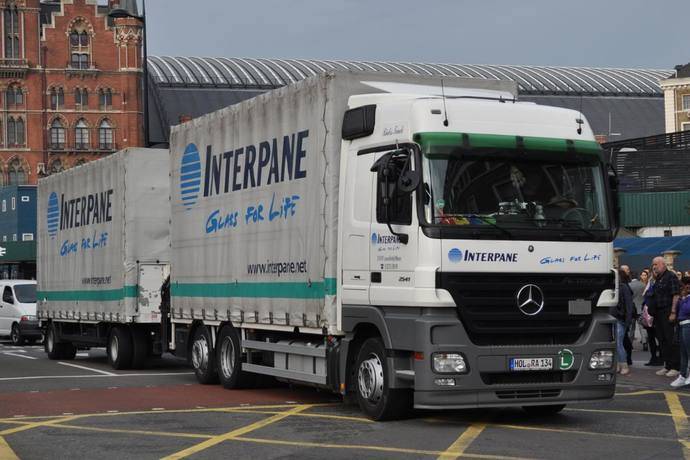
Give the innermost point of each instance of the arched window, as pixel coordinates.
(105, 99)
(57, 98)
(81, 98)
(80, 52)
(105, 136)
(81, 136)
(12, 31)
(56, 166)
(57, 135)
(15, 132)
(20, 133)
(14, 96)
(15, 173)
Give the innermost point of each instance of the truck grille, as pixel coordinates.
(527, 394)
(487, 306)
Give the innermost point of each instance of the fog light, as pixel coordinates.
(445, 382)
(601, 359)
(449, 363)
(605, 377)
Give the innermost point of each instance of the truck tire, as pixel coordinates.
(16, 336)
(374, 397)
(203, 357)
(541, 411)
(67, 350)
(50, 343)
(141, 347)
(229, 360)
(119, 348)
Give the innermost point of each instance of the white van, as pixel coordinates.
(18, 311)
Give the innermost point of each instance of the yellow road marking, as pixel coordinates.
(6, 452)
(313, 415)
(590, 433)
(640, 393)
(167, 411)
(365, 447)
(237, 432)
(30, 426)
(680, 420)
(458, 448)
(629, 412)
(171, 434)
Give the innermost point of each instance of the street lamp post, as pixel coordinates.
(122, 13)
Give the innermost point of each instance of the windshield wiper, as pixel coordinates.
(487, 221)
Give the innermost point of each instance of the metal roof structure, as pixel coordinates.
(626, 103)
(270, 73)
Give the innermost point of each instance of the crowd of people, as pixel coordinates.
(655, 305)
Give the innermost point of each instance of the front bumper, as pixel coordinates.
(30, 329)
(489, 380)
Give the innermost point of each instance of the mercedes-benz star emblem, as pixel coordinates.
(530, 299)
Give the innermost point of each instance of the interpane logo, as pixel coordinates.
(190, 176)
(455, 255)
(53, 215)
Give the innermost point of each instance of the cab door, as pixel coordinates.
(7, 310)
(356, 222)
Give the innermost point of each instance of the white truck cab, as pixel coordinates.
(18, 311)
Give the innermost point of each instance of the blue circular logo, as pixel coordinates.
(455, 255)
(190, 176)
(374, 238)
(53, 214)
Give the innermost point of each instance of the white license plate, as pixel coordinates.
(531, 364)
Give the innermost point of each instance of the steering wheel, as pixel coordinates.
(584, 216)
(560, 200)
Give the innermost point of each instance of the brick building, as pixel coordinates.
(677, 99)
(70, 85)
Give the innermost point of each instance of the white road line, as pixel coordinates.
(18, 356)
(41, 377)
(86, 368)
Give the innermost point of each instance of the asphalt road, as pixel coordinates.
(52, 409)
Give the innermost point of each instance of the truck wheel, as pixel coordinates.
(544, 410)
(16, 336)
(119, 348)
(50, 343)
(67, 351)
(374, 397)
(229, 359)
(141, 347)
(203, 358)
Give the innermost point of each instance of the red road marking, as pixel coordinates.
(142, 398)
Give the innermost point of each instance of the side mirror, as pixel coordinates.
(396, 180)
(613, 183)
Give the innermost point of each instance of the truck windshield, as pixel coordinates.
(514, 189)
(25, 293)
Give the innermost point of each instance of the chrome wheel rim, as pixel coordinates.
(227, 357)
(114, 348)
(200, 354)
(50, 341)
(370, 378)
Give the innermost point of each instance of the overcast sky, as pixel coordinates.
(595, 33)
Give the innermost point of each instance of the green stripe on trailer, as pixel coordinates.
(268, 290)
(434, 139)
(105, 295)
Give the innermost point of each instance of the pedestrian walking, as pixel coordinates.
(651, 342)
(623, 312)
(684, 332)
(636, 288)
(665, 302)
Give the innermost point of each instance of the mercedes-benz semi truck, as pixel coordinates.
(407, 242)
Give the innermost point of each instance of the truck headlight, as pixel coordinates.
(449, 363)
(601, 359)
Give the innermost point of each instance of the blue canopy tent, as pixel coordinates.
(639, 252)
